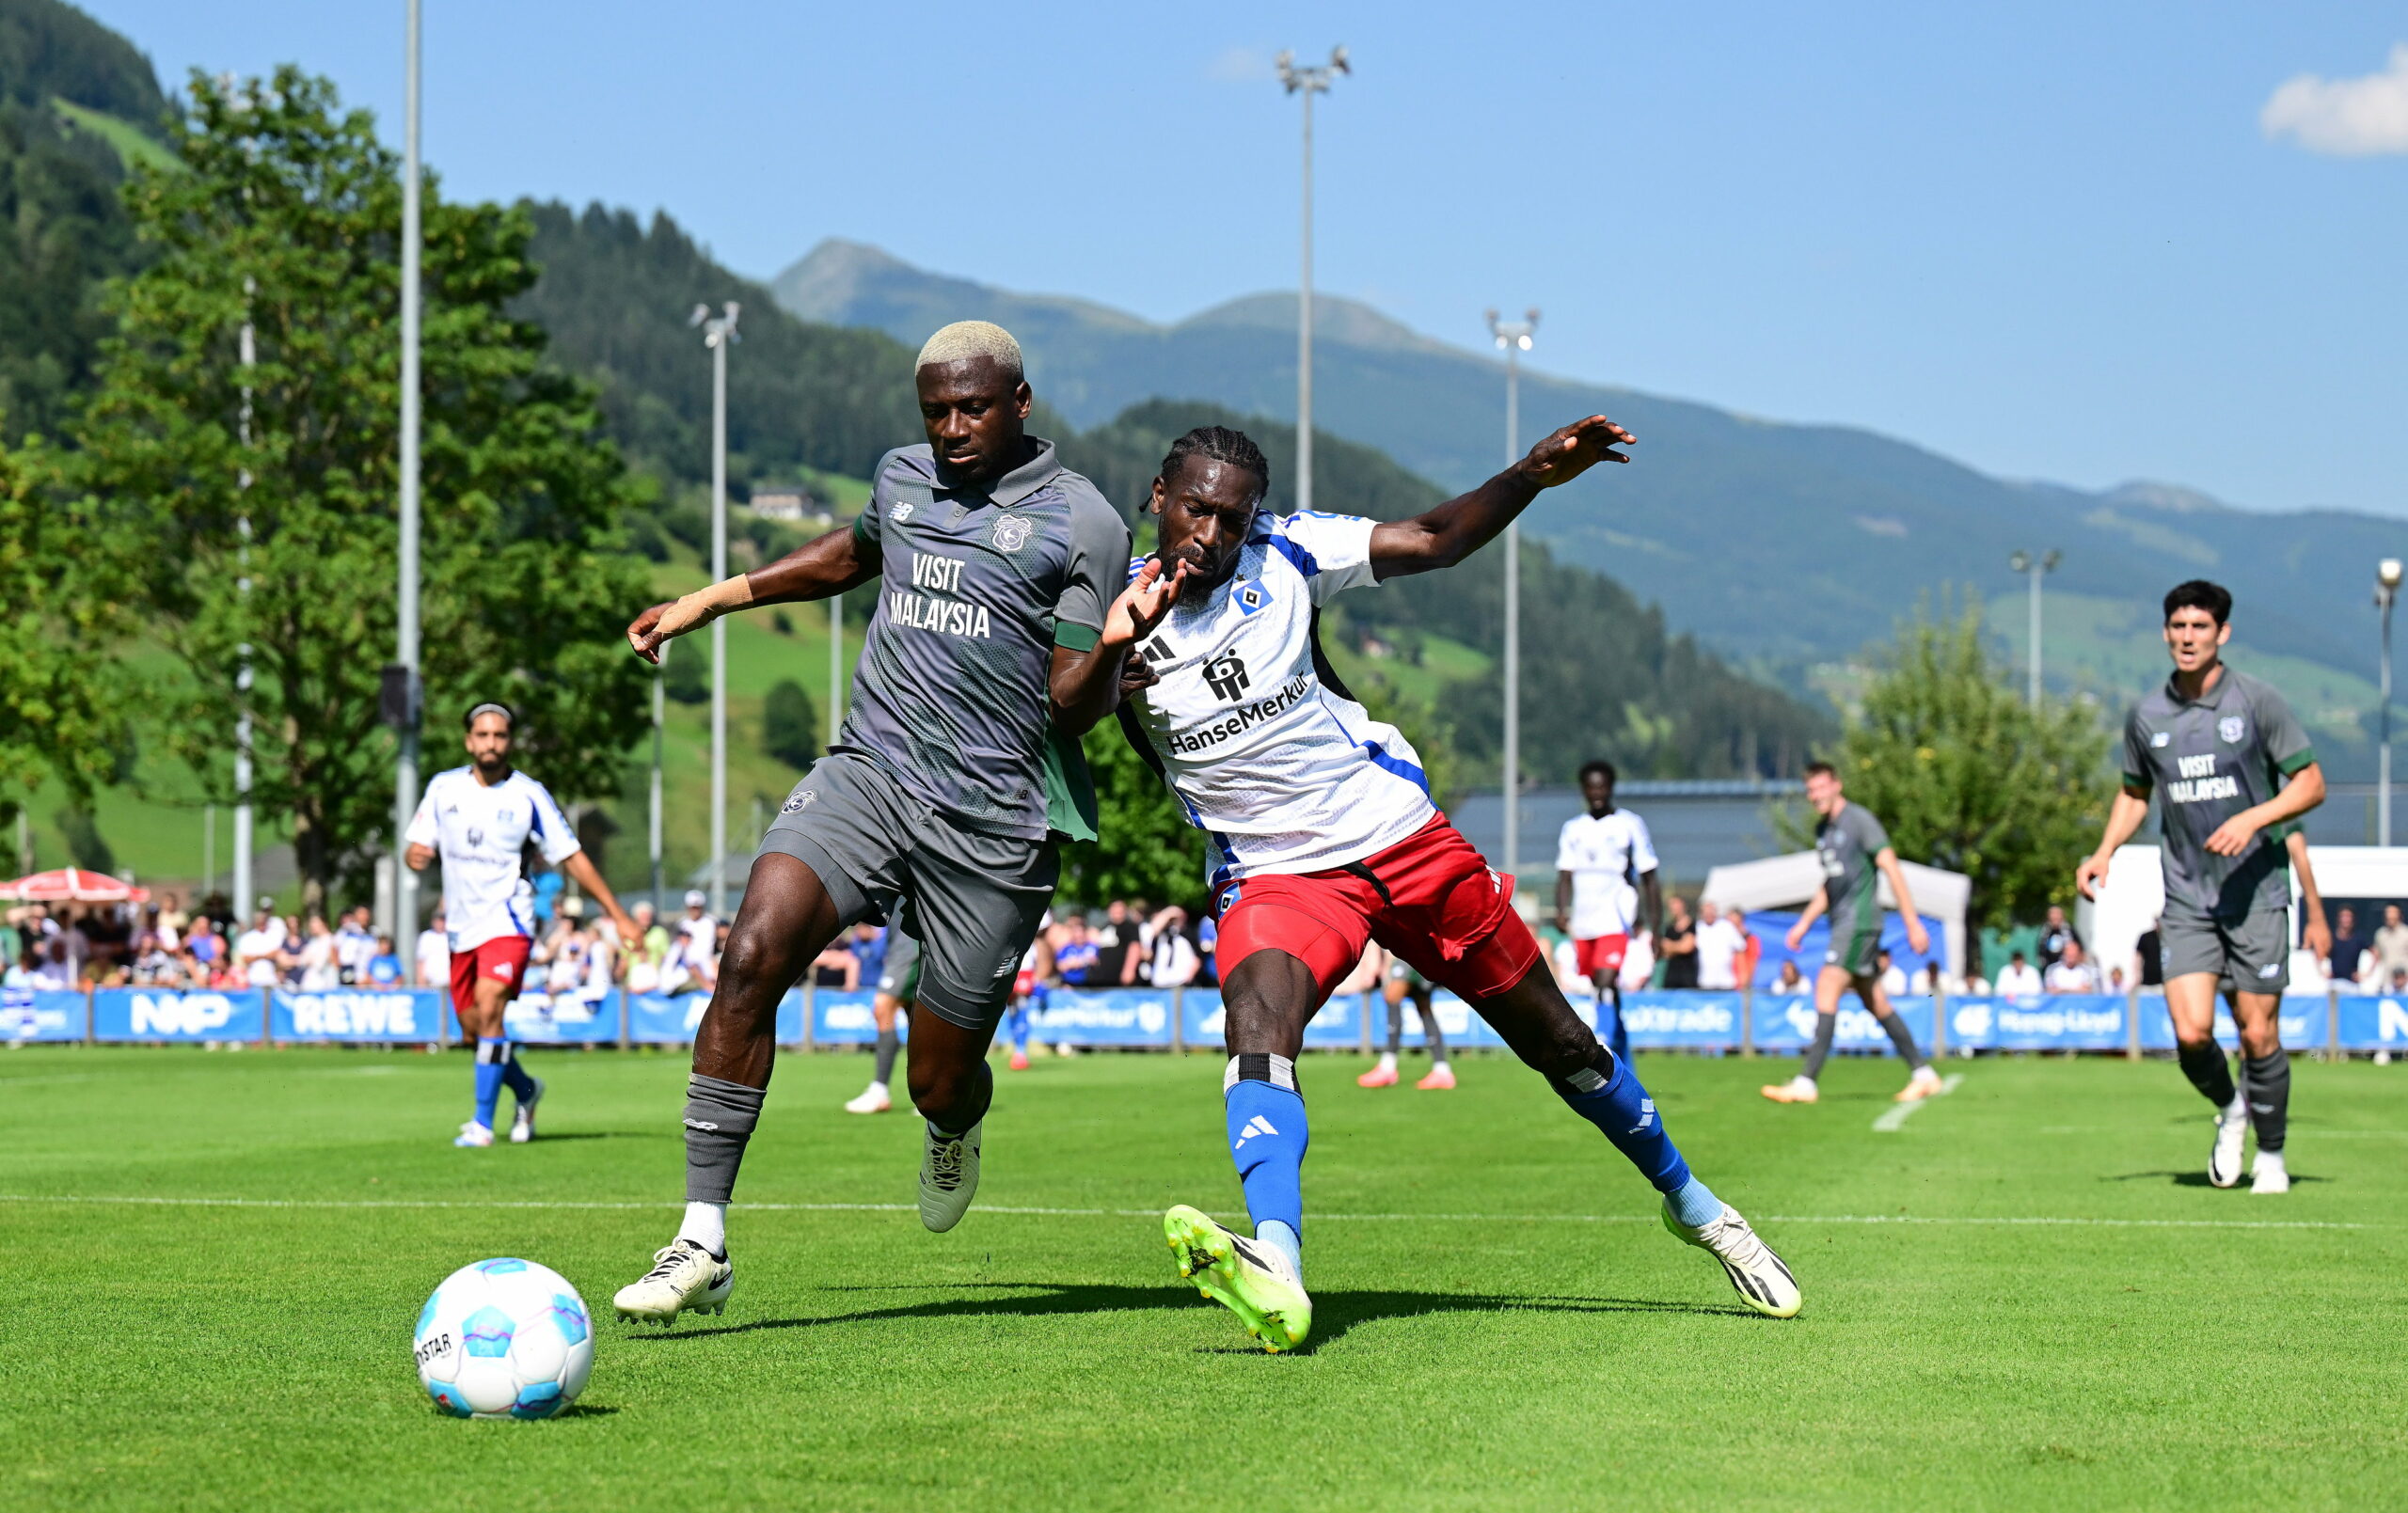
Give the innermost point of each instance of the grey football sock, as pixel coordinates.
(2269, 1099)
(888, 1043)
(720, 1117)
(1903, 1039)
(2203, 1064)
(1826, 1025)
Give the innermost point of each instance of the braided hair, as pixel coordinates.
(1219, 444)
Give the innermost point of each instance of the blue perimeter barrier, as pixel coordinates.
(1158, 1018)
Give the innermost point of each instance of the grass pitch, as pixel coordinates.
(2025, 1296)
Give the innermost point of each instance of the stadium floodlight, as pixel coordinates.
(1307, 81)
(2036, 568)
(2386, 587)
(405, 624)
(1514, 339)
(719, 334)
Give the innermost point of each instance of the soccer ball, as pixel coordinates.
(504, 1339)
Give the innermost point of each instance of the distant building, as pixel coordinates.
(780, 501)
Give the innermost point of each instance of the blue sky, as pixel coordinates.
(2054, 241)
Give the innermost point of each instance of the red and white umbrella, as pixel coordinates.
(73, 885)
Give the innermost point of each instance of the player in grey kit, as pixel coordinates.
(1001, 629)
(1855, 852)
(2216, 746)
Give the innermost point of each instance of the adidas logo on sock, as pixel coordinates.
(1255, 1126)
(1646, 1116)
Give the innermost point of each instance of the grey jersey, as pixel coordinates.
(1846, 846)
(980, 585)
(2208, 761)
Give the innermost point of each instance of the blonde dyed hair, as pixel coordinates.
(965, 340)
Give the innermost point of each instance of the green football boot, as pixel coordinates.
(1252, 1280)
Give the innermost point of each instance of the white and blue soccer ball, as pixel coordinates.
(505, 1338)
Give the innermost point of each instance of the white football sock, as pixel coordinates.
(1387, 1061)
(707, 1226)
(1438, 1066)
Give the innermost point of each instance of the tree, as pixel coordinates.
(62, 703)
(789, 726)
(1145, 848)
(1967, 776)
(261, 497)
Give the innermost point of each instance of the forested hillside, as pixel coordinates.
(67, 83)
(1602, 674)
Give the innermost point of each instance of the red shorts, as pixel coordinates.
(503, 959)
(1602, 954)
(1429, 898)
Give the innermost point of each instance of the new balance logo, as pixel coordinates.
(1255, 1126)
(1227, 675)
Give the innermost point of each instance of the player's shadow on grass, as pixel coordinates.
(1335, 1312)
(2194, 1178)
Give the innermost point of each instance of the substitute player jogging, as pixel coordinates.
(1324, 837)
(1605, 866)
(1856, 856)
(478, 819)
(2216, 746)
(988, 656)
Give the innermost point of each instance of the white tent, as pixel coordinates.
(2134, 896)
(1790, 882)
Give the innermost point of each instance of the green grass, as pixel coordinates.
(130, 142)
(2165, 1345)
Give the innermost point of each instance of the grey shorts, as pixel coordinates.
(900, 976)
(973, 901)
(2252, 952)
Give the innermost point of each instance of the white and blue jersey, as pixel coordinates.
(479, 832)
(1268, 752)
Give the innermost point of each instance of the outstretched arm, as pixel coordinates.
(580, 867)
(2124, 819)
(1086, 686)
(841, 559)
(1463, 525)
(1917, 936)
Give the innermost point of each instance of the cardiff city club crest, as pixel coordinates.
(2230, 728)
(801, 801)
(1012, 533)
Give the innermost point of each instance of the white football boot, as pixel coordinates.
(473, 1135)
(683, 1276)
(873, 1099)
(1756, 1274)
(1925, 1084)
(2269, 1174)
(2223, 1157)
(522, 1125)
(948, 1176)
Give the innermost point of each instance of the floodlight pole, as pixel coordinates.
(1514, 338)
(2386, 587)
(405, 654)
(660, 718)
(247, 347)
(2035, 568)
(719, 334)
(1308, 81)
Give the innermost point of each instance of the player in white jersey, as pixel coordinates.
(1604, 869)
(478, 819)
(1324, 837)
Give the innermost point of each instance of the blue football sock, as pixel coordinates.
(489, 1067)
(1286, 1241)
(1267, 1138)
(513, 1076)
(1695, 1205)
(1016, 1025)
(1606, 1095)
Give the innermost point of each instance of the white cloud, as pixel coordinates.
(1239, 65)
(2344, 117)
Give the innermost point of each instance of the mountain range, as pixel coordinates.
(1789, 546)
